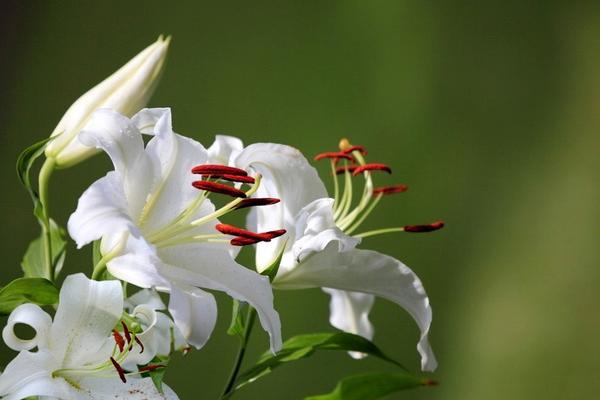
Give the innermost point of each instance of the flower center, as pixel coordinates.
(349, 215)
(221, 180)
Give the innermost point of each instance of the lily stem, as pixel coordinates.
(230, 387)
(43, 186)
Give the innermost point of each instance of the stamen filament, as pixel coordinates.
(336, 186)
(348, 226)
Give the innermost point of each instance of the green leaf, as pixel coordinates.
(33, 261)
(271, 270)
(25, 162)
(303, 346)
(157, 375)
(372, 386)
(238, 319)
(27, 290)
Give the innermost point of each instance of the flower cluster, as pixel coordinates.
(158, 225)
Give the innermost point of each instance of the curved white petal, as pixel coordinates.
(287, 175)
(223, 148)
(155, 337)
(367, 272)
(122, 141)
(147, 297)
(194, 312)
(101, 210)
(113, 389)
(349, 312)
(218, 271)
(33, 316)
(87, 312)
(29, 374)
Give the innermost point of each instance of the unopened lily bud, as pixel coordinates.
(126, 91)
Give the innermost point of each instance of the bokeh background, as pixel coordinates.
(488, 110)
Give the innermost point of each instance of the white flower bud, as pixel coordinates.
(126, 91)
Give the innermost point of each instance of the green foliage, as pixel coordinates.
(157, 375)
(27, 290)
(24, 164)
(238, 319)
(372, 386)
(303, 346)
(33, 261)
(271, 270)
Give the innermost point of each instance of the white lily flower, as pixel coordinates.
(159, 334)
(76, 357)
(125, 91)
(320, 250)
(158, 231)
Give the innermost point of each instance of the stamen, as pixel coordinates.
(275, 234)
(119, 369)
(424, 228)
(385, 190)
(360, 149)
(138, 341)
(242, 241)
(126, 332)
(343, 170)
(119, 340)
(217, 169)
(218, 188)
(150, 367)
(336, 155)
(252, 202)
(233, 178)
(235, 231)
(372, 167)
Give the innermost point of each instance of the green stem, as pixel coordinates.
(43, 186)
(230, 387)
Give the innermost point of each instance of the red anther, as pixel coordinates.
(218, 188)
(242, 241)
(257, 201)
(217, 169)
(360, 149)
(138, 341)
(151, 367)
(430, 382)
(119, 369)
(233, 178)
(119, 340)
(372, 167)
(186, 350)
(126, 332)
(342, 170)
(336, 155)
(235, 231)
(383, 190)
(275, 234)
(424, 228)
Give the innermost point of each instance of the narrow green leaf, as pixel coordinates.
(238, 319)
(27, 290)
(372, 386)
(33, 261)
(303, 346)
(25, 162)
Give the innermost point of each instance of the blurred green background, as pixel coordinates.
(488, 110)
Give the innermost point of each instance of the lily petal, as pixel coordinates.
(87, 312)
(349, 312)
(194, 312)
(287, 175)
(223, 148)
(33, 316)
(108, 389)
(218, 271)
(369, 272)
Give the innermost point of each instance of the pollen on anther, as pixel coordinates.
(235, 231)
(347, 168)
(372, 167)
(217, 169)
(126, 332)
(335, 155)
(424, 228)
(119, 340)
(139, 342)
(257, 201)
(360, 149)
(233, 178)
(243, 241)
(385, 190)
(119, 369)
(218, 188)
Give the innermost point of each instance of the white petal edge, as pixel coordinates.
(33, 316)
(194, 312)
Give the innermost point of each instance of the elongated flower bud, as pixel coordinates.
(126, 91)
